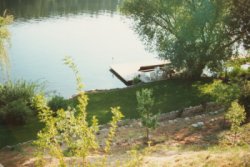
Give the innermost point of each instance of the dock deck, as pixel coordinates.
(126, 72)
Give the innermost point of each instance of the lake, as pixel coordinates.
(92, 32)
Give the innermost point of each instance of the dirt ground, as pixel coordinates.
(174, 143)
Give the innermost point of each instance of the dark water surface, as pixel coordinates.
(92, 32)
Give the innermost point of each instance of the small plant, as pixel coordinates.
(117, 116)
(145, 106)
(236, 116)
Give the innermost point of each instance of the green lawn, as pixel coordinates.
(10, 135)
(169, 95)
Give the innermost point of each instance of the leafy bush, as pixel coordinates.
(238, 74)
(58, 102)
(236, 116)
(221, 92)
(15, 101)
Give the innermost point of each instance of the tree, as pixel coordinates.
(240, 21)
(145, 105)
(4, 36)
(192, 34)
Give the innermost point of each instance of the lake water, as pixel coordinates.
(92, 32)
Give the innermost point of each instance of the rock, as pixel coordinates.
(168, 116)
(195, 125)
(140, 124)
(161, 123)
(187, 119)
(198, 116)
(1, 165)
(171, 121)
(198, 125)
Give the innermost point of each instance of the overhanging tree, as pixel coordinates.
(192, 34)
(240, 21)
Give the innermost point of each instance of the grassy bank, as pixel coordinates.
(169, 95)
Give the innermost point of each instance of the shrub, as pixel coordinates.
(15, 112)
(221, 92)
(15, 101)
(58, 102)
(238, 74)
(236, 116)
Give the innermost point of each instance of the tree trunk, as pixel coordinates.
(194, 72)
(147, 134)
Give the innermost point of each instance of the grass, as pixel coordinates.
(10, 135)
(169, 95)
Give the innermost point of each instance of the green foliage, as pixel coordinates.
(4, 37)
(15, 101)
(237, 62)
(136, 80)
(239, 21)
(170, 94)
(145, 106)
(191, 34)
(236, 116)
(15, 113)
(221, 92)
(69, 131)
(117, 116)
(58, 102)
(136, 159)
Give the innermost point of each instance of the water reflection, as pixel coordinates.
(33, 9)
(41, 38)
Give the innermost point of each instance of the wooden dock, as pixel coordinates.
(128, 71)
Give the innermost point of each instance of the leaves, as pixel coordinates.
(236, 115)
(4, 37)
(145, 106)
(221, 92)
(69, 130)
(191, 34)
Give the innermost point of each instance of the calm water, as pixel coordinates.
(92, 32)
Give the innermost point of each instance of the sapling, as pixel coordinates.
(144, 107)
(69, 129)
